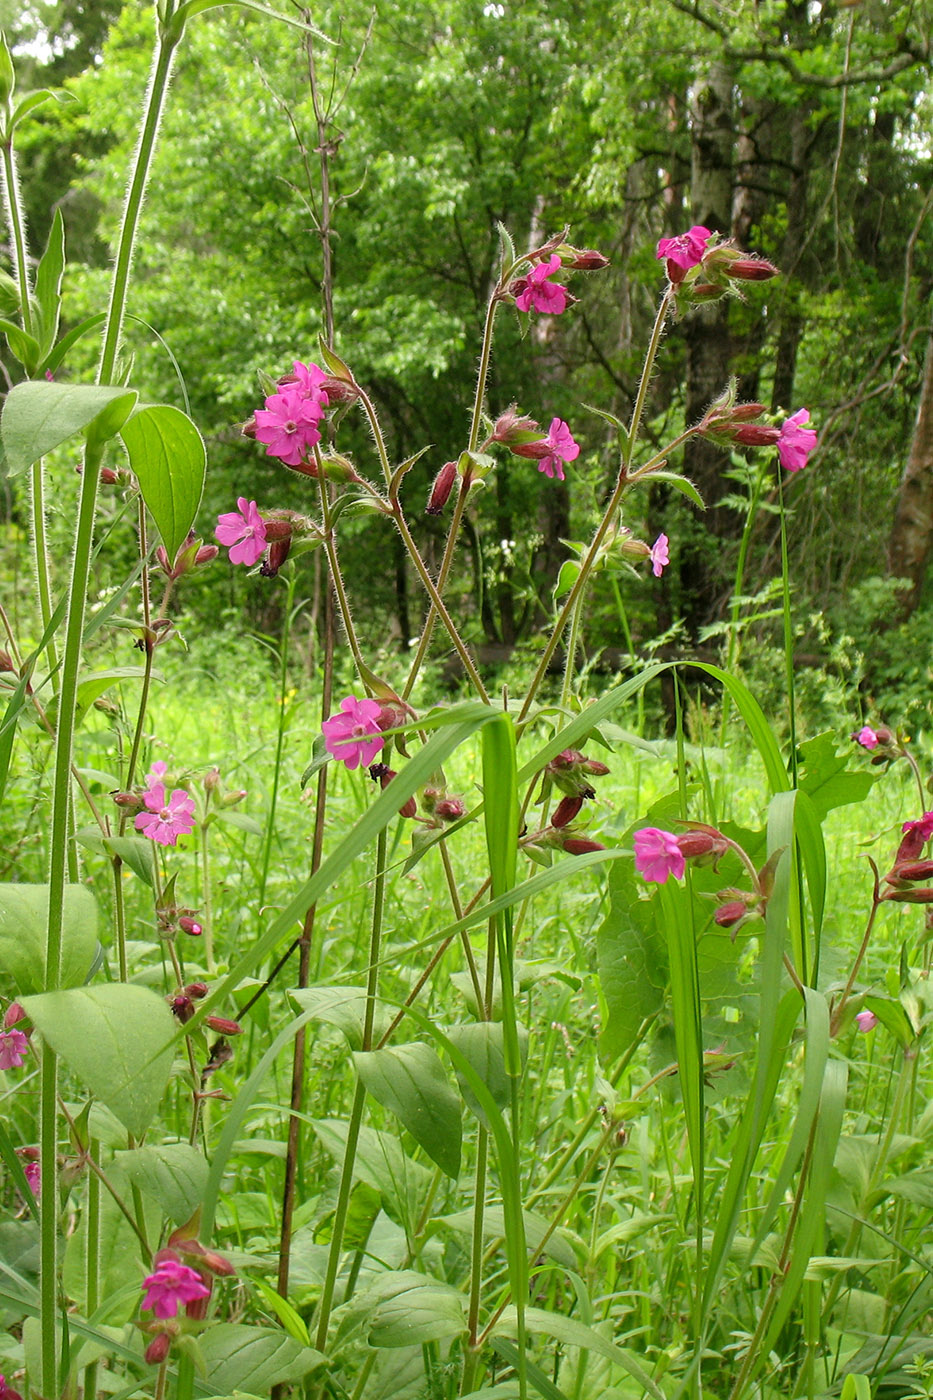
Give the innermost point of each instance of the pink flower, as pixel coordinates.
(288, 424)
(172, 1284)
(538, 293)
(166, 820)
(353, 735)
(13, 1047)
(33, 1175)
(866, 737)
(659, 555)
(795, 443)
(686, 250)
(924, 826)
(310, 379)
(156, 773)
(244, 531)
(658, 855)
(6, 1391)
(866, 1020)
(561, 448)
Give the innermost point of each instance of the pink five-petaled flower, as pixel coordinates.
(658, 855)
(540, 294)
(795, 442)
(866, 737)
(353, 735)
(686, 250)
(923, 826)
(866, 1020)
(166, 818)
(172, 1284)
(13, 1047)
(243, 531)
(156, 773)
(288, 424)
(659, 556)
(561, 449)
(310, 379)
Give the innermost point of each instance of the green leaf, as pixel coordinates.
(168, 459)
(49, 284)
(569, 573)
(291, 1320)
(237, 1357)
(23, 347)
(55, 356)
(632, 961)
(241, 820)
(39, 416)
(557, 1246)
(117, 1038)
(409, 1081)
(481, 1043)
(134, 851)
(173, 1174)
(408, 1309)
(824, 778)
(343, 1007)
(682, 484)
(576, 1334)
(380, 1161)
(24, 912)
(894, 1018)
(335, 365)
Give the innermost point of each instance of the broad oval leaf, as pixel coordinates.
(409, 1081)
(39, 416)
(409, 1309)
(119, 1041)
(24, 913)
(168, 459)
(173, 1174)
(237, 1357)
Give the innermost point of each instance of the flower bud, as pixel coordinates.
(191, 926)
(566, 810)
(278, 553)
(131, 801)
(383, 775)
(730, 913)
(755, 435)
(339, 390)
(701, 841)
(753, 269)
(912, 870)
(866, 1020)
(205, 554)
(535, 451)
(914, 896)
(211, 779)
(450, 809)
(230, 799)
(744, 412)
(223, 1026)
(440, 491)
(197, 989)
(588, 260)
(339, 469)
(580, 846)
(248, 429)
(14, 1014)
(182, 1007)
(158, 1349)
(6, 663)
(595, 768)
(511, 426)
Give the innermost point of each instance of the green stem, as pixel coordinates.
(206, 911)
(788, 635)
(41, 563)
(438, 602)
(573, 641)
(92, 1274)
(280, 736)
(624, 480)
(61, 790)
(472, 1353)
(483, 371)
(449, 548)
(356, 1112)
(16, 221)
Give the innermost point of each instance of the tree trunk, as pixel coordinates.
(912, 533)
(706, 330)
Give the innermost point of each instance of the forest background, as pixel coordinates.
(803, 130)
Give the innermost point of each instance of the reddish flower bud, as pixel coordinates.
(230, 799)
(727, 915)
(382, 774)
(14, 1014)
(278, 553)
(911, 870)
(511, 426)
(580, 846)
(197, 989)
(197, 1308)
(132, 801)
(164, 561)
(914, 896)
(755, 435)
(248, 429)
(595, 768)
(182, 1007)
(440, 491)
(6, 662)
(588, 260)
(156, 1352)
(702, 841)
(534, 451)
(744, 412)
(206, 553)
(565, 811)
(109, 477)
(339, 390)
(450, 809)
(189, 925)
(223, 1026)
(753, 269)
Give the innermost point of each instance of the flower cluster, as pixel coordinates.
(171, 1286)
(288, 424)
(551, 452)
(662, 854)
(727, 422)
(571, 772)
(719, 263)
